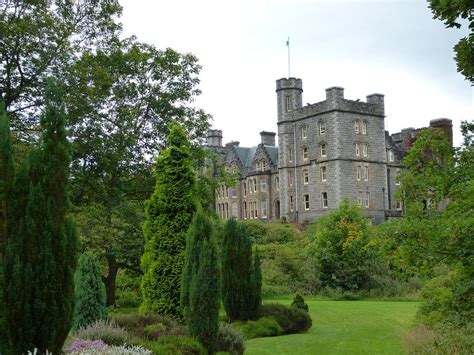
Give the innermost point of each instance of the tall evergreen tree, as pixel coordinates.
(168, 215)
(6, 180)
(237, 271)
(89, 292)
(200, 288)
(255, 287)
(41, 247)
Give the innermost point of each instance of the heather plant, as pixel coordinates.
(107, 331)
(78, 345)
(291, 319)
(116, 350)
(89, 292)
(263, 327)
(230, 340)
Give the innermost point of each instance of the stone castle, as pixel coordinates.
(327, 151)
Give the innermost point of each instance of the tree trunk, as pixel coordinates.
(110, 278)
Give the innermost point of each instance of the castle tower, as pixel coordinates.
(289, 97)
(214, 138)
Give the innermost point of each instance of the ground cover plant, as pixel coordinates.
(344, 327)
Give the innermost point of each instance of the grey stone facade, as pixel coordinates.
(327, 151)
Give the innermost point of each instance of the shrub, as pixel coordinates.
(78, 345)
(298, 302)
(149, 326)
(115, 350)
(229, 340)
(291, 319)
(176, 345)
(263, 327)
(128, 299)
(89, 292)
(109, 332)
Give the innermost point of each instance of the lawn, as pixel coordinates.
(344, 327)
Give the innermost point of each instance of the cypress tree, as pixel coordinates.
(6, 180)
(41, 246)
(89, 292)
(200, 289)
(256, 287)
(168, 215)
(237, 271)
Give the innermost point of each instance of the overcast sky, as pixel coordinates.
(389, 47)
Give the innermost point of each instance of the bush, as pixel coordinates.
(229, 340)
(115, 350)
(127, 299)
(109, 332)
(174, 345)
(263, 327)
(291, 319)
(149, 326)
(298, 302)
(78, 345)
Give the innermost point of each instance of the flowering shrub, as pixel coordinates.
(115, 350)
(109, 332)
(81, 344)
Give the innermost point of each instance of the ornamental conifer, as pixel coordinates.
(41, 248)
(256, 287)
(89, 292)
(168, 215)
(200, 289)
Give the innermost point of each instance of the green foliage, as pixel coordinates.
(291, 319)
(89, 292)
(149, 326)
(41, 250)
(229, 340)
(171, 345)
(168, 215)
(200, 287)
(109, 332)
(239, 281)
(451, 12)
(343, 250)
(271, 232)
(263, 327)
(255, 285)
(298, 302)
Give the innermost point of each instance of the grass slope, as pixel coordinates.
(344, 327)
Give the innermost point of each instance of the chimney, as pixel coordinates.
(268, 138)
(334, 93)
(378, 101)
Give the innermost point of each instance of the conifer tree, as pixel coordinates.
(200, 288)
(168, 215)
(6, 180)
(89, 292)
(237, 271)
(40, 254)
(256, 287)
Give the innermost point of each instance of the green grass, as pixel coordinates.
(344, 327)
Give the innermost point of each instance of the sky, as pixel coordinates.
(394, 48)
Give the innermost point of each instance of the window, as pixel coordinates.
(323, 171)
(290, 154)
(305, 153)
(367, 199)
(324, 199)
(290, 178)
(245, 189)
(305, 177)
(233, 192)
(366, 173)
(359, 172)
(264, 165)
(365, 150)
(263, 185)
(254, 185)
(391, 156)
(227, 211)
(234, 209)
(363, 126)
(257, 166)
(358, 149)
(399, 205)
(245, 211)
(303, 132)
(255, 208)
(357, 127)
(287, 104)
(263, 209)
(397, 177)
(359, 199)
(277, 183)
(292, 203)
(322, 127)
(306, 202)
(226, 191)
(323, 150)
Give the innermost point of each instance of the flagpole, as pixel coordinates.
(288, 45)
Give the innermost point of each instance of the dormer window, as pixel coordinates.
(264, 165)
(257, 166)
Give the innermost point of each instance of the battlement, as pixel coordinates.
(214, 138)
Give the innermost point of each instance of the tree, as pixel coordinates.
(41, 248)
(6, 182)
(237, 272)
(200, 287)
(342, 250)
(168, 215)
(89, 292)
(451, 12)
(255, 286)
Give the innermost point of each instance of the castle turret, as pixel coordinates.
(289, 97)
(268, 138)
(214, 138)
